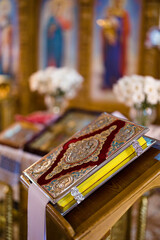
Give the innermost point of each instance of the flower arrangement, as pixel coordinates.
(137, 91)
(141, 94)
(56, 82)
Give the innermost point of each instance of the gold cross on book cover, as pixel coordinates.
(76, 168)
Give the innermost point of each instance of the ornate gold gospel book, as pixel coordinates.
(76, 168)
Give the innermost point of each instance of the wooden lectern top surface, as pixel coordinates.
(101, 210)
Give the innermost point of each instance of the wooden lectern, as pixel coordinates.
(96, 215)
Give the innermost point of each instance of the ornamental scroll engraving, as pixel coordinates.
(125, 133)
(42, 166)
(63, 183)
(81, 150)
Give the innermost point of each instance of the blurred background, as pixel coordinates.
(62, 63)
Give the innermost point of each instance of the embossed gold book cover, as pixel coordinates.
(70, 172)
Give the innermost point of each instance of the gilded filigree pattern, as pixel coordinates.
(81, 149)
(103, 120)
(41, 166)
(82, 152)
(60, 185)
(127, 132)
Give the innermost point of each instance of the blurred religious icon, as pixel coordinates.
(56, 23)
(9, 44)
(5, 36)
(153, 36)
(115, 32)
(153, 40)
(55, 43)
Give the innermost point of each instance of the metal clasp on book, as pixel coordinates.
(77, 195)
(137, 147)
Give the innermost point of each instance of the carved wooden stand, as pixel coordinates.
(96, 215)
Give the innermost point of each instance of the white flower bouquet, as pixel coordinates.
(141, 94)
(137, 91)
(56, 82)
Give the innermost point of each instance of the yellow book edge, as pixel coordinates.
(102, 174)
